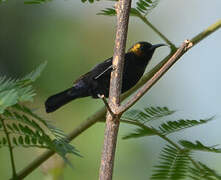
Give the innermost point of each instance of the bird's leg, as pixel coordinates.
(101, 96)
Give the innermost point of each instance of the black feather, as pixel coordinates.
(97, 80)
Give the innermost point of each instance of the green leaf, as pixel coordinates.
(62, 147)
(174, 126)
(55, 131)
(13, 91)
(7, 99)
(26, 94)
(37, 2)
(15, 141)
(15, 127)
(20, 140)
(142, 8)
(112, 12)
(26, 128)
(149, 114)
(205, 173)
(107, 12)
(27, 139)
(140, 132)
(40, 141)
(37, 72)
(198, 146)
(9, 127)
(4, 141)
(6, 84)
(173, 165)
(134, 12)
(34, 140)
(146, 6)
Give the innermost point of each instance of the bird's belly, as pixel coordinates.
(101, 86)
(130, 79)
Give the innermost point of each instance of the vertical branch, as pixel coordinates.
(112, 122)
(10, 149)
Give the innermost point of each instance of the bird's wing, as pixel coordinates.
(106, 71)
(103, 69)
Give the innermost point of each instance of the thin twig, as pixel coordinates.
(14, 176)
(144, 19)
(100, 114)
(106, 104)
(184, 47)
(112, 122)
(206, 32)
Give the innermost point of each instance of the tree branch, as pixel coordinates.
(112, 122)
(100, 114)
(206, 32)
(184, 47)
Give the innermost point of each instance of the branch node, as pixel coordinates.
(117, 8)
(188, 43)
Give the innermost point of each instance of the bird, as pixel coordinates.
(96, 82)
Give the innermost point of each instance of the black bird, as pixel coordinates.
(96, 82)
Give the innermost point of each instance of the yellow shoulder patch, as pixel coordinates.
(136, 49)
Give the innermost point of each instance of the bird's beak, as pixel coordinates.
(157, 45)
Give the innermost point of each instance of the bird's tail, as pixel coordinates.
(56, 101)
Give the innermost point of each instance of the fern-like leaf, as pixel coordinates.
(55, 131)
(145, 6)
(198, 146)
(205, 173)
(107, 12)
(37, 1)
(174, 126)
(142, 8)
(148, 114)
(27, 129)
(23, 127)
(7, 99)
(34, 75)
(174, 165)
(13, 91)
(140, 132)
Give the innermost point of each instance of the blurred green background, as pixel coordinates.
(72, 38)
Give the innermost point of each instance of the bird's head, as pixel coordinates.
(144, 49)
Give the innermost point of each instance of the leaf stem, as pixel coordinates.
(10, 149)
(206, 32)
(144, 19)
(156, 132)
